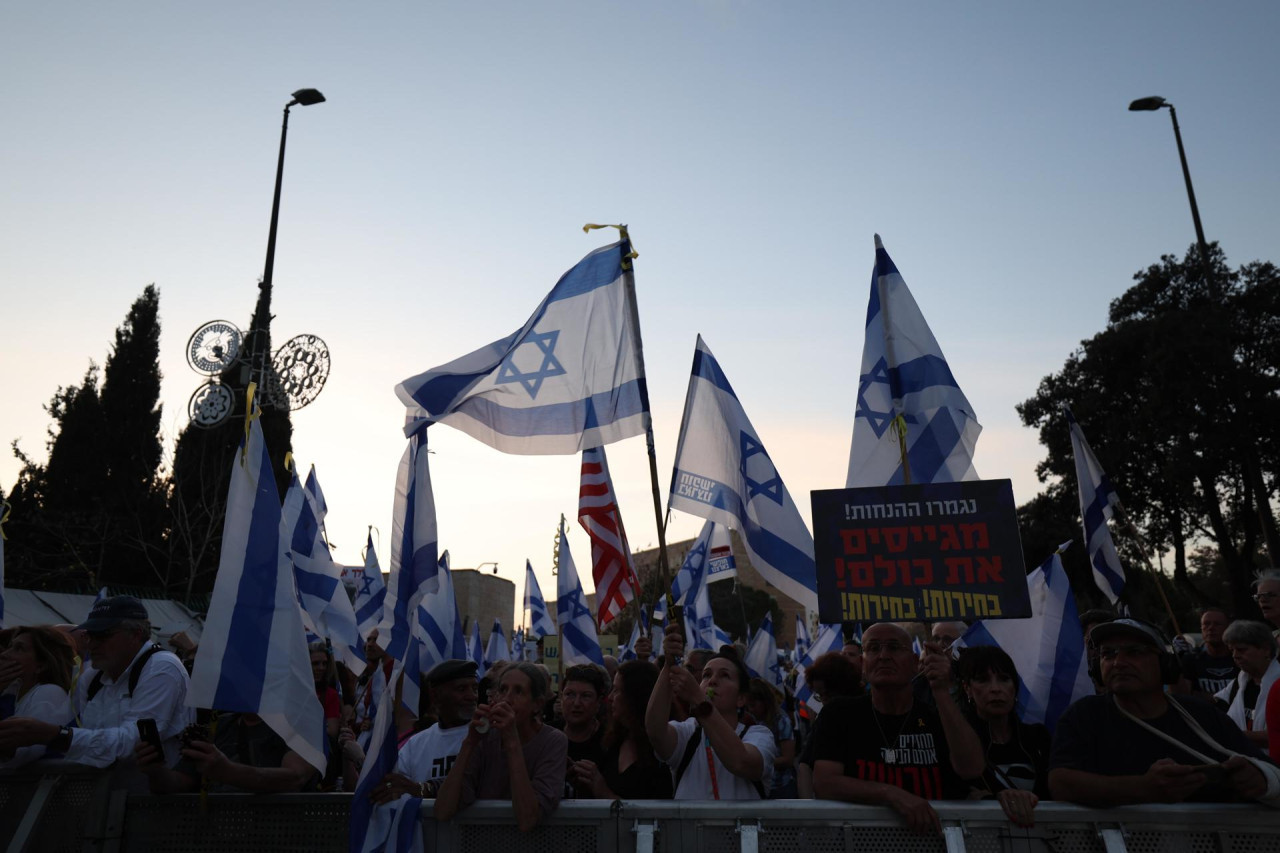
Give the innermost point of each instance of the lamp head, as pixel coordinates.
(1155, 102)
(307, 97)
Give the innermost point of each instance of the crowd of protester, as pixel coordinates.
(887, 724)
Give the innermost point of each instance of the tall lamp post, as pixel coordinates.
(305, 97)
(1151, 104)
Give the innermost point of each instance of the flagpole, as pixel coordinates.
(629, 282)
(1142, 549)
(899, 423)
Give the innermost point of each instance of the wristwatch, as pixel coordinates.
(60, 742)
(701, 710)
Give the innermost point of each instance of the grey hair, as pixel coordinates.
(136, 626)
(537, 680)
(1271, 574)
(1246, 633)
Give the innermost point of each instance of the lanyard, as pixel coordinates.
(711, 766)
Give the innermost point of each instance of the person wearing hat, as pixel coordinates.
(1138, 744)
(426, 758)
(135, 679)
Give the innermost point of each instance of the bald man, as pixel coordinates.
(884, 748)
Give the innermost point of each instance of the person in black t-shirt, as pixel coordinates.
(886, 749)
(241, 754)
(581, 692)
(1209, 668)
(1136, 744)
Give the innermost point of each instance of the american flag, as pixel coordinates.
(611, 568)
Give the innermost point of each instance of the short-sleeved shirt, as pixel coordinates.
(1209, 673)
(1095, 736)
(783, 730)
(253, 745)
(695, 784)
(908, 751)
(430, 753)
(647, 779)
(545, 757)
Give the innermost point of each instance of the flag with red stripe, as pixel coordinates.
(611, 566)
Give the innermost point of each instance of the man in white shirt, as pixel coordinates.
(1245, 699)
(425, 760)
(135, 680)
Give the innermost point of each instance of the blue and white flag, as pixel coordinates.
(638, 629)
(1098, 502)
(1047, 649)
(701, 630)
(916, 648)
(579, 642)
(762, 655)
(497, 648)
(906, 382)
(371, 592)
(535, 606)
(723, 473)
(475, 650)
(437, 633)
(102, 593)
(721, 565)
(802, 638)
(570, 379)
(692, 570)
(318, 502)
(660, 614)
(829, 639)
(253, 657)
(327, 609)
(393, 827)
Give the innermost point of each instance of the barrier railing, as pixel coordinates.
(75, 809)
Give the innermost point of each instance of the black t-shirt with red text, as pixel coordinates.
(908, 751)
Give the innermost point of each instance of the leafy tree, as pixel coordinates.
(1175, 396)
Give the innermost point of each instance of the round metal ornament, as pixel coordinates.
(213, 347)
(301, 366)
(210, 405)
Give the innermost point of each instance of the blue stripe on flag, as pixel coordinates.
(706, 367)
(931, 449)
(920, 374)
(595, 270)
(628, 399)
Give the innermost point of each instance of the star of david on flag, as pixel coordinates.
(724, 474)
(904, 374)
(762, 655)
(1098, 503)
(579, 642)
(569, 379)
(535, 606)
(371, 592)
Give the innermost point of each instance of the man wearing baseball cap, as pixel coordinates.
(1138, 744)
(132, 679)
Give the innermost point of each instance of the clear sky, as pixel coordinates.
(753, 148)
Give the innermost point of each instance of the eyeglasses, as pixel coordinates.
(885, 649)
(1262, 597)
(574, 696)
(1133, 650)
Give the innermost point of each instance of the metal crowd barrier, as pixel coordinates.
(78, 810)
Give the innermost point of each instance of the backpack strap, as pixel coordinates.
(689, 751)
(135, 672)
(742, 735)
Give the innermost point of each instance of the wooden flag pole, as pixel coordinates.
(1159, 576)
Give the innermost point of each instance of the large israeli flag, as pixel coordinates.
(535, 606)
(253, 657)
(327, 610)
(1047, 649)
(829, 639)
(415, 570)
(497, 648)
(762, 655)
(1098, 503)
(371, 592)
(723, 473)
(393, 827)
(570, 379)
(906, 382)
(579, 642)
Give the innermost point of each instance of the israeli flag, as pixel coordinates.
(437, 633)
(579, 643)
(327, 611)
(1098, 503)
(475, 650)
(723, 473)
(802, 638)
(1047, 649)
(693, 568)
(394, 827)
(497, 649)
(638, 629)
(829, 639)
(253, 658)
(916, 648)
(660, 614)
(762, 655)
(371, 592)
(906, 383)
(415, 570)
(570, 379)
(701, 630)
(535, 606)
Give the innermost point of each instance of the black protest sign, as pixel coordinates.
(925, 553)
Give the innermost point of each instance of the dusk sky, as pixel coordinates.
(753, 148)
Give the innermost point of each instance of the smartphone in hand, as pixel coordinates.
(149, 734)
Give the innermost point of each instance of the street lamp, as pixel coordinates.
(1151, 104)
(305, 97)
